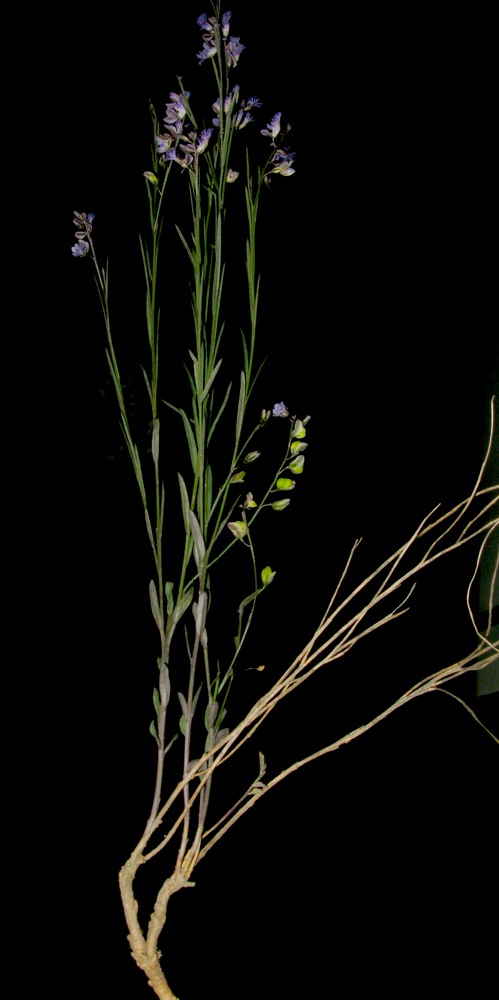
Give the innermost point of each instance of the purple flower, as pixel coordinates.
(208, 51)
(197, 146)
(274, 128)
(231, 98)
(280, 410)
(204, 139)
(80, 249)
(282, 161)
(171, 154)
(164, 142)
(84, 222)
(203, 23)
(233, 49)
(241, 119)
(226, 22)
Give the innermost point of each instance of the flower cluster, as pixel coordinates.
(83, 223)
(282, 484)
(281, 163)
(240, 116)
(281, 160)
(297, 445)
(190, 144)
(176, 110)
(209, 26)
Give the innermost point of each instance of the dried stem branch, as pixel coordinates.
(325, 646)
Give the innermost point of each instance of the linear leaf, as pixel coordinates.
(156, 702)
(245, 351)
(199, 546)
(170, 604)
(211, 380)
(240, 407)
(208, 490)
(221, 410)
(188, 432)
(186, 245)
(182, 606)
(149, 529)
(156, 613)
(155, 441)
(185, 504)
(172, 741)
(193, 451)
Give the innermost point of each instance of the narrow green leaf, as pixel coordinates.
(219, 414)
(148, 384)
(188, 431)
(199, 546)
(245, 352)
(183, 724)
(156, 613)
(208, 491)
(185, 504)
(172, 741)
(193, 452)
(210, 715)
(153, 731)
(195, 366)
(169, 596)
(149, 529)
(156, 701)
(155, 441)
(164, 684)
(211, 380)
(186, 245)
(192, 384)
(182, 605)
(240, 407)
(227, 677)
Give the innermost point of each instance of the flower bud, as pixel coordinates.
(296, 465)
(148, 174)
(297, 446)
(237, 477)
(265, 415)
(251, 457)
(280, 504)
(267, 576)
(238, 528)
(285, 484)
(298, 429)
(232, 176)
(249, 502)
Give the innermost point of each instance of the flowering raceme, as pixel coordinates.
(83, 222)
(209, 26)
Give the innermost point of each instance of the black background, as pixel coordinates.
(378, 862)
